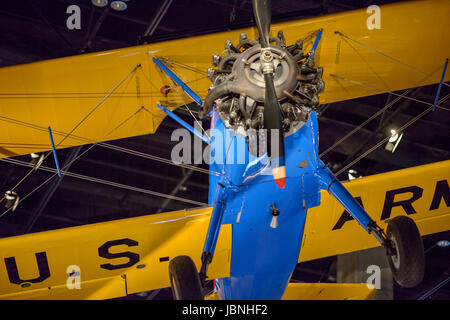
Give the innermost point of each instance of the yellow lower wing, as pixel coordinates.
(115, 258)
(329, 291)
(424, 190)
(323, 291)
(412, 42)
(131, 255)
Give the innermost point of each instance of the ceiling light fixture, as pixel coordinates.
(394, 140)
(100, 3)
(443, 243)
(353, 174)
(118, 5)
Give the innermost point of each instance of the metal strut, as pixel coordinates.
(54, 152)
(213, 229)
(184, 124)
(440, 85)
(329, 182)
(178, 81)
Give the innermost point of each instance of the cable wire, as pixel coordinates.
(385, 91)
(101, 181)
(111, 146)
(352, 132)
(383, 54)
(23, 163)
(387, 138)
(76, 126)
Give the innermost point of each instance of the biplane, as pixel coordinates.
(272, 201)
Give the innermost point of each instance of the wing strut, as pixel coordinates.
(178, 81)
(184, 124)
(440, 85)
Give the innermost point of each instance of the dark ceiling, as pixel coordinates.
(36, 30)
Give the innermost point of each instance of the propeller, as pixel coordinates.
(272, 111)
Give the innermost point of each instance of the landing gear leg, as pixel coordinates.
(402, 240)
(186, 282)
(213, 230)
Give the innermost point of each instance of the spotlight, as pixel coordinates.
(118, 5)
(100, 3)
(36, 160)
(443, 243)
(12, 200)
(353, 174)
(394, 140)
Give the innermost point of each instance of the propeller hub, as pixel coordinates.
(239, 87)
(266, 61)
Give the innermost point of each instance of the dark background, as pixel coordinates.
(36, 30)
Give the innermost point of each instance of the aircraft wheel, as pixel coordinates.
(408, 263)
(184, 279)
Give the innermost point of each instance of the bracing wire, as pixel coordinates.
(383, 54)
(189, 110)
(23, 163)
(77, 125)
(386, 91)
(406, 125)
(97, 180)
(352, 132)
(111, 146)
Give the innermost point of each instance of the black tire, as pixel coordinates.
(408, 264)
(184, 279)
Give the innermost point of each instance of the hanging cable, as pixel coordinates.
(86, 177)
(101, 181)
(183, 65)
(181, 98)
(76, 126)
(80, 155)
(383, 54)
(112, 147)
(384, 91)
(348, 135)
(387, 138)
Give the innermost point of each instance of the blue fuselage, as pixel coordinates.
(263, 258)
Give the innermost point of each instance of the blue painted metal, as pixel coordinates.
(440, 85)
(263, 258)
(183, 123)
(215, 222)
(54, 151)
(329, 182)
(178, 81)
(316, 41)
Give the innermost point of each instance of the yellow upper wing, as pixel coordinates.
(61, 92)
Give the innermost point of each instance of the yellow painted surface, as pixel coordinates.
(329, 291)
(60, 93)
(183, 232)
(98, 289)
(163, 235)
(320, 240)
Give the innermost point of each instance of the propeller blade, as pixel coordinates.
(263, 17)
(272, 112)
(272, 121)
